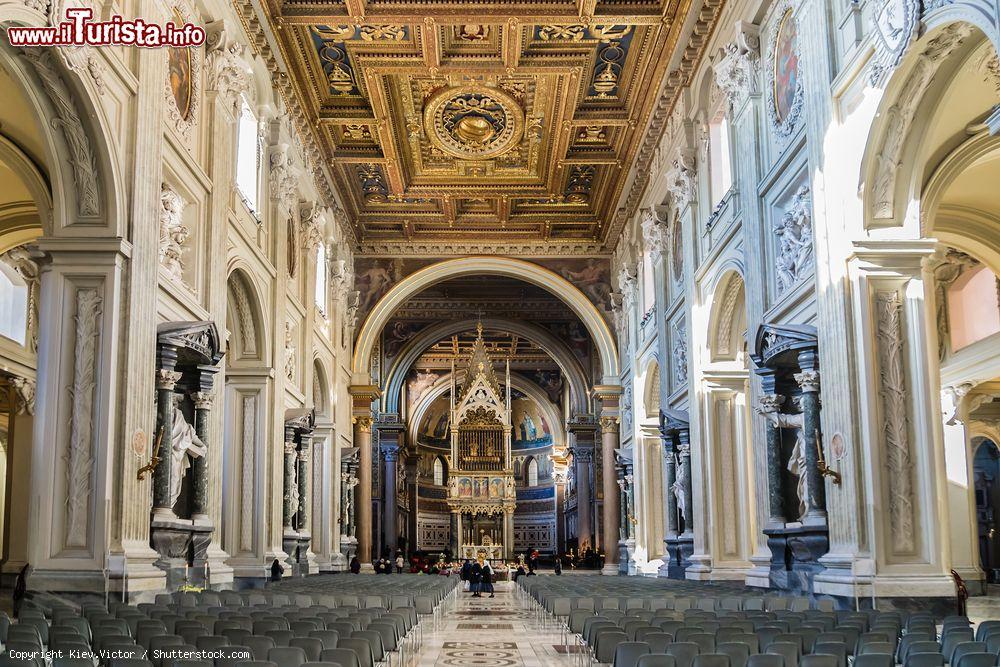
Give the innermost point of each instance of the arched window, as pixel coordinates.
(438, 472)
(532, 473)
(248, 158)
(720, 167)
(322, 279)
(13, 305)
(648, 282)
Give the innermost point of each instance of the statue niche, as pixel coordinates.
(188, 356)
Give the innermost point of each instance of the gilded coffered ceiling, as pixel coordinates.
(489, 122)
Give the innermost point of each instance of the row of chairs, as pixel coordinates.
(722, 635)
(360, 629)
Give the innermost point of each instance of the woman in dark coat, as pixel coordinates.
(355, 565)
(487, 584)
(476, 578)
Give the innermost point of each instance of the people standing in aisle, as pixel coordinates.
(486, 586)
(475, 579)
(558, 566)
(400, 562)
(355, 565)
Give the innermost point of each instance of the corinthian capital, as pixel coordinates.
(227, 73)
(736, 70)
(655, 233)
(681, 179)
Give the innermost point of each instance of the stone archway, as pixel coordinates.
(244, 461)
(531, 273)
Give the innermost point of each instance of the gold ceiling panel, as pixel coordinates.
(470, 120)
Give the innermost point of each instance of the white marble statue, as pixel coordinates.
(185, 445)
(679, 487)
(797, 459)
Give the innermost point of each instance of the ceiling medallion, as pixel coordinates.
(473, 122)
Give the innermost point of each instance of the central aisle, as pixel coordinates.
(497, 632)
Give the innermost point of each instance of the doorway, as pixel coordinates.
(986, 473)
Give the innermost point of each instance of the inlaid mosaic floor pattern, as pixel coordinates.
(497, 632)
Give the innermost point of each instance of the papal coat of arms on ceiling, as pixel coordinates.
(473, 122)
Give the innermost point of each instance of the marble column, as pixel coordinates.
(669, 477)
(288, 506)
(583, 459)
(305, 477)
(770, 403)
(363, 494)
(508, 533)
(456, 538)
(609, 442)
(687, 489)
(808, 380)
(391, 456)
(166, 380)
(199, 466)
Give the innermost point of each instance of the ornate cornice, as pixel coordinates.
(676, 81)
(261, 45)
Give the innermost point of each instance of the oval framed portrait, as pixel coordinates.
(784, 74)
(183, 80)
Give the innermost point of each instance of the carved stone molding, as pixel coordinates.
(226, 71)
(655, 233)
(628, 285)
(173, 232)
(167, 379)
(290, 351)
(248, 457)
(947, 265)
(808, 380)
(737, 71)
(900, 115)
(769, 403)
(284, 177)
(794, 232)
(727, 314)
(896, 26)
(609, 424)
(311, 225)
(682, 180)
(896, 445)
(20, 259)
(203, 400)
(81, 154)
(25, 388)
(680, 354)
(363, 424)
(78, 456)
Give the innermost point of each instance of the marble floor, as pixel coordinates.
(492, 632)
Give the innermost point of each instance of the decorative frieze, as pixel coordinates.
(290, 351)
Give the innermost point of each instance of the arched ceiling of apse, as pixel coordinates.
(527, 387)
(577, 301)
(560, 353)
